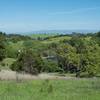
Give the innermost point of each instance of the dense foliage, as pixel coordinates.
(74, 53)
(28, 62)
(2, 45)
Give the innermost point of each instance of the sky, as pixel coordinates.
(34, 15)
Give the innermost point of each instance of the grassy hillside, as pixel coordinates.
(57, 39)
(74, 53)
(6, 63)
(35, 36)
(82, 89)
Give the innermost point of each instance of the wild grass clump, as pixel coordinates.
(96, 84)
(47, 87)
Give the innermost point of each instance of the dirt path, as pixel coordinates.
(11, 75)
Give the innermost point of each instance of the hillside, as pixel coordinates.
(65, 53)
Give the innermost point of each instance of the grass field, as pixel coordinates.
(76, 89)
(56, 39)
(43, 35)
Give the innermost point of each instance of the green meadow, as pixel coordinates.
(44, 35)
(76, 89)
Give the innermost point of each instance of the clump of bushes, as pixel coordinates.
(28, 62)
(50, 66)
(2, 46)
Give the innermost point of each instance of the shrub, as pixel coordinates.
(50, 66)
(2, 51)
(28, 62)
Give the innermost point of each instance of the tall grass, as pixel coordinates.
(76, 89)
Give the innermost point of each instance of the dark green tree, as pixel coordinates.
(2, 46)
(28, 62)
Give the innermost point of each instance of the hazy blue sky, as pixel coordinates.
(30, 15)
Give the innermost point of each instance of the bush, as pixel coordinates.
(2, 54)
(2, 50)
(28, 62)
(51, 66)
(2, 64)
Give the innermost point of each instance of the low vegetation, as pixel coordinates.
(74, 53)
(82, 89)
